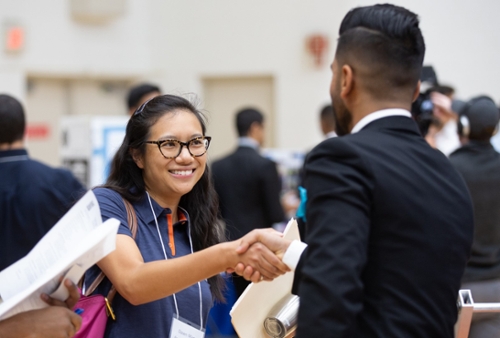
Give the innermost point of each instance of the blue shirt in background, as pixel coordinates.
(33, 197)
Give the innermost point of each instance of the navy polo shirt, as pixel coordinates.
(33, 197)
(152, 319)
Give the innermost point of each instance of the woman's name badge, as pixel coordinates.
(181, 329)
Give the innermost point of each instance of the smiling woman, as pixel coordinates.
(161, 168)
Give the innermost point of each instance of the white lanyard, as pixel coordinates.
(166, 258)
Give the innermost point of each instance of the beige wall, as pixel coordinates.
(179, 43)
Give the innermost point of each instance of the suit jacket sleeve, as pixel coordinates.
(339, 185)
(271, 190)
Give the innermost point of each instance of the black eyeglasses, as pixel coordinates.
(197, 146)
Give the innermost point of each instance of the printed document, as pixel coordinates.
(78, 241)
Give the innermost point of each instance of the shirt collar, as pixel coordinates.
(331, 134)
(13, 155)
(248, 142)
(379, 115)
(144, 211)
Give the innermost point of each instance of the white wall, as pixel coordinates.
(177, 43)
(56, 45)
(463, 42)
(226, 37)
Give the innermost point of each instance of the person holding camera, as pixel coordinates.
(479, 164)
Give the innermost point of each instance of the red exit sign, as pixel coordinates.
(39, 131)
(14, 38)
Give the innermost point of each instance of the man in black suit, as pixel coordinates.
(389, 220)
(479, 164)
(248, 184)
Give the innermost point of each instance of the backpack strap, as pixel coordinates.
(132, 224)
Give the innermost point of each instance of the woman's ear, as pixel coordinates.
(137, 157)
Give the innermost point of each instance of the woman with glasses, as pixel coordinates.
(167, 278)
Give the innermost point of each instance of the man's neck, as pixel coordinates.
(363, 110)
(247, 141)
(12, 146)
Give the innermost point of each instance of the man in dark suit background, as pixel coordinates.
(248, 184)
(389, 220)
(479, 164)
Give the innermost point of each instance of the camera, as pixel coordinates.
(422, 107)
(421, 110)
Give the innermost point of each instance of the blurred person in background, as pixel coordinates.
(479, 164)
(139, 94)
(442, 133)
(248, 184)
(33, 196)
(327, 121)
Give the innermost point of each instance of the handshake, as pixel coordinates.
(258, 255)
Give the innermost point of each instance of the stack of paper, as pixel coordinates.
(74, 244)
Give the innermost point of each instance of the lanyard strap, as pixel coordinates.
(166, 258)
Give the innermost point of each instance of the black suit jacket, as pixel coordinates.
(249, 190)
(479, 164)
(389, 229)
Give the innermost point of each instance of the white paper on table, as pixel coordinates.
(78, 239)
(253, 306)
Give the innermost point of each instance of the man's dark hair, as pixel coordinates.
(245, 118)
(136, 93)
(386, 45)
(327, 116)
(12, 120)
(326, 112)
(481, 119)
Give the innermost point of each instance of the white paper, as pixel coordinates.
(74, 274)
(253, 306)
(78, 240)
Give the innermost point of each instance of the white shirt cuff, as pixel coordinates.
(293, 253)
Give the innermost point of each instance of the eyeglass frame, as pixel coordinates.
(182, 144)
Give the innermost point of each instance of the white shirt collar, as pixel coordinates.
(331, 134)
(378, 115)
(248, 142)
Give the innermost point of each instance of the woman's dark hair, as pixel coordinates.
(201, 202)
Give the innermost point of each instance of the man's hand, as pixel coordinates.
(50, 322)
(259, 239)
(74, 296)
(442, 107)
(272, 239)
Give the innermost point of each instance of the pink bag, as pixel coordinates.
(94, 316)
(96, 309)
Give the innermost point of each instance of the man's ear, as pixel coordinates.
(417, 91)
(346, 81)
(137, 157)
